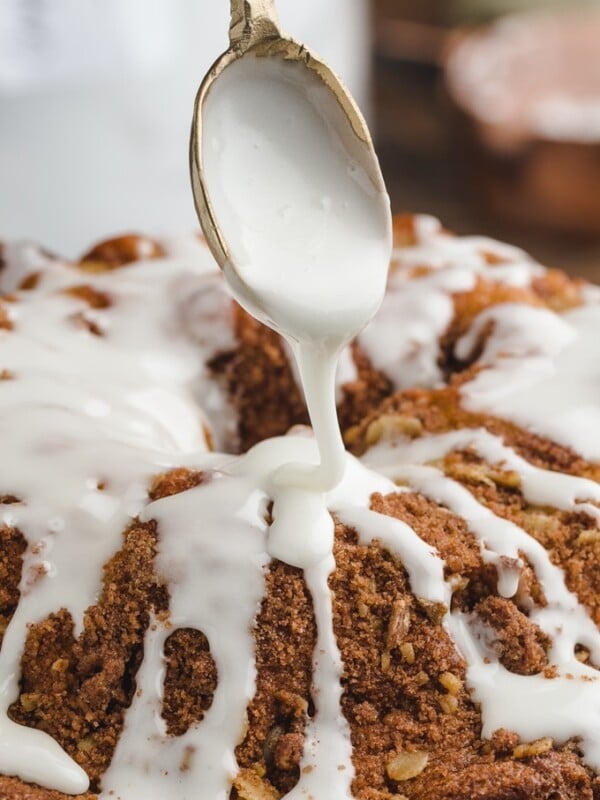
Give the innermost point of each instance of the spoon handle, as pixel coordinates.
(252, 21)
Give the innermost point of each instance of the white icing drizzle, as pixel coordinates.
(327, 758)
(346, 371)
(437, 250)
(85, 421)
(534, 706)
(539, 486)
(216, 584)
(84, 411)
(280, 159)
(207, 316)
(403, 338)
(21, 259)
(542, 372)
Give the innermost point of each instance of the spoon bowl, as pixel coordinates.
(266, 98)
(293, 206)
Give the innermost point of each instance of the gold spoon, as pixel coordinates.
(254, 31)
(293, 205)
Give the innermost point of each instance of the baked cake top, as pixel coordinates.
(450, 634)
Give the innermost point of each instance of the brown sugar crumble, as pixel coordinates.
(416, 732)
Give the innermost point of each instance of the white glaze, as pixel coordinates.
(533, 706)
(327, 760)
(82, 411)
(403, 340)
(216, 584)
(122, 407)
(302, 207)
(542, 372)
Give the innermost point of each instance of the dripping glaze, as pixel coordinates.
(214, 539)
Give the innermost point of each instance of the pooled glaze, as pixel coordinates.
(86, 420)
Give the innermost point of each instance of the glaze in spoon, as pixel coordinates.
(291, 198)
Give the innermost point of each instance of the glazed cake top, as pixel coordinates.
(105, 384)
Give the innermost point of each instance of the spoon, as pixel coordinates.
(293, 205)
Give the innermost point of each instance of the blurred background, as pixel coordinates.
(488, 115)
(486, 112)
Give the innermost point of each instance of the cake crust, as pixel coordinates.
(416, 730)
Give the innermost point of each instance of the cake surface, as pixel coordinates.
(449, 650)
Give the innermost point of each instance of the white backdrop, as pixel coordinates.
(96, 99)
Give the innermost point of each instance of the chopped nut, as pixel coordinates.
(450, 682)
(291, 704)
(582, 654)
(406, 765)
(399, 624)
(6, 375)
(470, 473)
(29, 701)
(386, 661)
(435, 611)
(251, 786)
(60, 665)
(541, 523)
(588, 537)
(271, 743)
(410, 426)
(458, 582)
(389, 426)
(86, 744)
(408, 652)
(421, 678)
(351, 435)
(448, 703)
(533, 748)
(363, 609)
(507, 478)
(374, 433)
